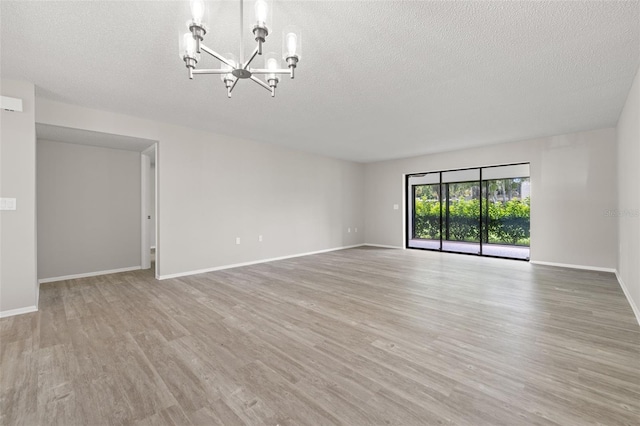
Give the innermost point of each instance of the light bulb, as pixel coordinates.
(261, 12)
(292, 44)
(189, 45)
(272, 64)
(197, 10)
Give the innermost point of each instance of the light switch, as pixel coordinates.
(349, 230)
(238, 240)
(7, 203)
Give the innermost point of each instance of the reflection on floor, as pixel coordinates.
(461, 247)
(515, 252)
(426, 244)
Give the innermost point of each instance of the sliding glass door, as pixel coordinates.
(507, 217)
(462, 217)
(425, 219)
(483, 211)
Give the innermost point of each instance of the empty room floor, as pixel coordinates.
(363, 336)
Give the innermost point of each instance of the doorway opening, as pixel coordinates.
(90, 202)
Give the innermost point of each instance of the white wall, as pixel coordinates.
(213, 189)
(88, 209)
(572, 181)
(18, 283)
(629, 197)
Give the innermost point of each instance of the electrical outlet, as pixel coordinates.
(237, 240)
(7, 203)
(356, 229)
(259, 238)
(396, 207)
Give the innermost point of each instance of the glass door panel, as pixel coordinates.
(507, 217)
(461, 217)
(423, 201)
(426, 217)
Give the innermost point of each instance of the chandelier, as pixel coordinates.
(231, 70)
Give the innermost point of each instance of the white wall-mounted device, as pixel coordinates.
(11, 104)
(7, 203)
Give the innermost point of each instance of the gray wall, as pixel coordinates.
(214, 188)
(88, 209)
(18, 283)
(573, 180)
(629, 196)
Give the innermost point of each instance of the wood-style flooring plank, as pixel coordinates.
(364, 336)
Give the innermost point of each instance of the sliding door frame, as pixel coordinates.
(480, 215)
(410, 208)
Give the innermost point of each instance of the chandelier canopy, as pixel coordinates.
(232, 70)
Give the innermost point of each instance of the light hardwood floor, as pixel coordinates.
(356, 337)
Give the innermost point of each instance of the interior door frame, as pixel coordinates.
(145, 247)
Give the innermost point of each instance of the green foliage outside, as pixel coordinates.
(508, 223)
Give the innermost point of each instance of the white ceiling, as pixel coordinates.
(377, 80)
(85, 137)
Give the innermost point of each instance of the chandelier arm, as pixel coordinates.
(233, 85)
(259, 71)
(211, 71)
(217, 56)
(253, 55)
(261, 83)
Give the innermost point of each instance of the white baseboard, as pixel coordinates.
(88, 274)
(254, 262)
(634, 307)
(19, 311)
(383, 246)
(568, 265)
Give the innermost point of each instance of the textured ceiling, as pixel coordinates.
(377, 80)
